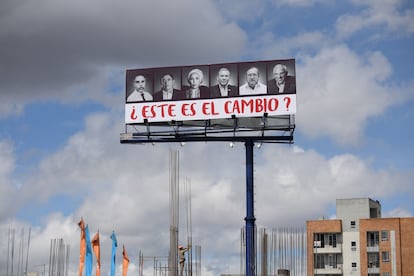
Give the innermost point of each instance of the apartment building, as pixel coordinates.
(360, 242)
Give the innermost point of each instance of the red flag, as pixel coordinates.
(125, 262)
(82, 246)
(97, 250)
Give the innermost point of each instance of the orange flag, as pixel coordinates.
(97, 250)
(125, 262)
(82, 246)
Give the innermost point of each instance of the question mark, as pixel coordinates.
(133, 115)
(287, 102)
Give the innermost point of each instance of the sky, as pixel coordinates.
(62, 93)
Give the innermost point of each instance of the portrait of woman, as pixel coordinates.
(196, 89)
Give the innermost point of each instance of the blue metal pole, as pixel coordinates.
(250, 219)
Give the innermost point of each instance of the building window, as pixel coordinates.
(353, 246)
(385, 256)
(319, 261)
(318, 240)
(332, 240)
(322, 240)
(373, 212)
(384, 235)
(353, 224)
(373, 259)
(354, 266)
(385, 274)
(372, 239)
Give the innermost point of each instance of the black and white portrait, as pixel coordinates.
(224, 80)
(167, 85)
(140, 87)
(281, 77)
(196, 82)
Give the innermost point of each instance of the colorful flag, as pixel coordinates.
(125, 262)
(97, 250)
(82, 246)
(114, 246)
(88, 266)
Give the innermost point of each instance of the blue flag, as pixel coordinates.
(114, 246)
(88, 260)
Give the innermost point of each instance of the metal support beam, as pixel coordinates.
(250, 219)
(276, 129)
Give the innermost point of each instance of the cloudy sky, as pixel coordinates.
(62, 91)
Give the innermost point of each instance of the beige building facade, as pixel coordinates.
(360, 242)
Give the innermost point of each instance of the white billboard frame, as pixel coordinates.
(208, 105)
(248, 105)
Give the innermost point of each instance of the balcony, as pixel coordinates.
(373, 270)
(328, 249)
(373, 248)
(329, 270)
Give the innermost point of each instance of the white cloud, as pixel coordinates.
(299, 2)
(338, 91)
(244, 11)
(126, 188)
(384, 14)
(397, 213)
(53, 49)
(284, 47)
(7, 186)
(7, 160)
(293, 187)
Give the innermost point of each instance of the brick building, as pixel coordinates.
(360, 242)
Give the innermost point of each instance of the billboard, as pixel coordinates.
(210, 92)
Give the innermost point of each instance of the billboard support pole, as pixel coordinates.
(250, 219)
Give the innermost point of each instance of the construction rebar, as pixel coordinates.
(282, 249)
(187, 191)
(174, 213)
(18, 249)
(27, 252)
(58, 258)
